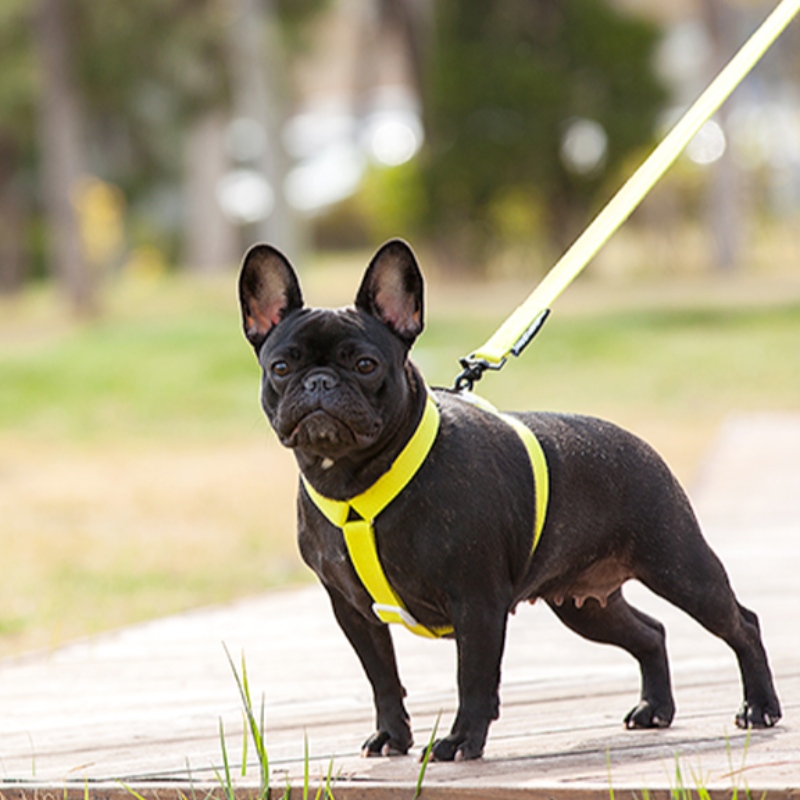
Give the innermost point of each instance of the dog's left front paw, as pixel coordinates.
(456, 748)
(751, 716)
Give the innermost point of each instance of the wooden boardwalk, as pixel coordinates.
(143, 705)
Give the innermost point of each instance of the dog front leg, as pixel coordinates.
(480, 638)
(373, 645)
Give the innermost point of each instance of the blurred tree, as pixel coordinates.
(122, 91)
(258, 71)
(13, 263)
(62, 147)
(725, 212)
(16, 133)
(161, 103)
(531, 107)
(155, 73)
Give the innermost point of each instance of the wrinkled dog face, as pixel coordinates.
(333, 382)
(322, 374)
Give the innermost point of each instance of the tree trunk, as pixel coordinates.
(211, 240)
(12, 225)
(725, 199)
(60, 122)
(258, 70)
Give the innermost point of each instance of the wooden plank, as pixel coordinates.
(143, 705)
(367, 791)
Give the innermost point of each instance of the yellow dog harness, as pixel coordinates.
(359, 534)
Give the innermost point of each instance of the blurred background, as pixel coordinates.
(144, 146)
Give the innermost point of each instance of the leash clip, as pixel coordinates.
(473, 368)
(472, 372)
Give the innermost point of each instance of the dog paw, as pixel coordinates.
(751, 716)
(646, 716)
(455, 748)
(381, 743)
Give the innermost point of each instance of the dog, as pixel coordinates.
(456, 543)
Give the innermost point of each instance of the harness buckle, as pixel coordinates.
(380, 609)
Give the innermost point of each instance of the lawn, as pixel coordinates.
(138, 476)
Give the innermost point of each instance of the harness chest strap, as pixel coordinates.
(359, 534)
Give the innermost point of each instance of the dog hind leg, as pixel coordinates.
(620, 624)
(703, 591)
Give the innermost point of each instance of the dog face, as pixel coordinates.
(335, 382)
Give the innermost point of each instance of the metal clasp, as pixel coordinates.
(473, 369)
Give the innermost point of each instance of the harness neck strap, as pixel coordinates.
(359, 533)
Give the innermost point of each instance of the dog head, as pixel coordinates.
(337, 384)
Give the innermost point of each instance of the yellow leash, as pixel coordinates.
(523, 324)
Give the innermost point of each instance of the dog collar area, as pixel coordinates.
(355, 517)
(359, 533)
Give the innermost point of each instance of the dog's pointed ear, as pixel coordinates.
(392, 290)
(268, 291)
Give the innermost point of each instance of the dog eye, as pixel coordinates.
(280, 369)
(366, 366)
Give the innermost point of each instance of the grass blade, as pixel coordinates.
(132, 792)
(426, 757)
(244, 746)
(225, 781)
(256, 726)
(305, 765)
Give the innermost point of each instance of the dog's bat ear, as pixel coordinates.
(392, 290)
(268, 291)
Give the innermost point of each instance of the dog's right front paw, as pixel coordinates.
(382, 743)
(753, 716)
(646, 716)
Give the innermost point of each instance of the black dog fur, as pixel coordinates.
(338, 387)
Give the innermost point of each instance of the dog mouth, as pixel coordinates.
(327, 435)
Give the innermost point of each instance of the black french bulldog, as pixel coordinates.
(339, 389)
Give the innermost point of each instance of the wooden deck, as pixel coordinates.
(143, 705)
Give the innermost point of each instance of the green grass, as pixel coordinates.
(255, 729)
(139, 476)
(670, 361)
(178, 366)
(183, 372)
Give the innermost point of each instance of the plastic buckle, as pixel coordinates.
(406, 618)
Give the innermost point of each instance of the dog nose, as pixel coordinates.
(320, 381)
